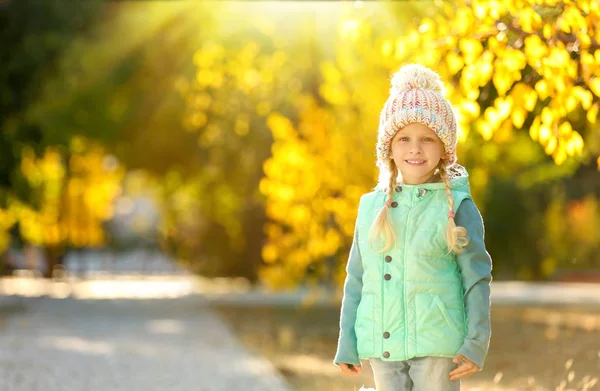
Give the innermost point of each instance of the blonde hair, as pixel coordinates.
(456, 237)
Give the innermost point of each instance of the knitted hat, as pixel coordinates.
(416, 96)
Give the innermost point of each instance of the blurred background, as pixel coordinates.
(222, 147)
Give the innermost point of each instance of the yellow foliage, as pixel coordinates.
(75, 199)
(506, 63)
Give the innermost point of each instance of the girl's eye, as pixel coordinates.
(403, 139)
(427, 139)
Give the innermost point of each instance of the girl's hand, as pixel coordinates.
(465, 369)
(350, 369)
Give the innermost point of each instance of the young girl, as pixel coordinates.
(417, 292)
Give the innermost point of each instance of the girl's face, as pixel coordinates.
(416, 151)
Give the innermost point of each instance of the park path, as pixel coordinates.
(121, 344)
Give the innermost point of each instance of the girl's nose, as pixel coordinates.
(415, 148)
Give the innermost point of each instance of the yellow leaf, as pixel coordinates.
(548, 31)
(560, 156)
(471, 108)
(471, 49)
(518, 117)
(575, 144)
(492, 116)
(534, 129)
(502, 82)
(542, 89)
(530, 98)
(585, 41)
(547, 116)
(565, 129)
(592, 113)
(504, 106)
(455, 62)
(479, 9)
(484, 129)
(551, 146)
(524, 96)
(587, 59)
(595, 86)
(557, 58)
(570, 103)
(584, 96)
(544, 134)
(534, 47)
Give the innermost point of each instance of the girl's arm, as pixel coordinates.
(347, 350)
(476, 270)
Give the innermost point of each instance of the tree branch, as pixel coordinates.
(567, 39)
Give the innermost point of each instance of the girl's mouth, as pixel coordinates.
(415, 162)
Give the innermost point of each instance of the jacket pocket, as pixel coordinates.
(364, 326)
(444, 311)
(435, 332)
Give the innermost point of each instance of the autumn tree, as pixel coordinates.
(523, 78)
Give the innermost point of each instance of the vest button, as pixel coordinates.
(422, 192)
(387, 276)
(386, 335)
(394, 204)
(388, 258)
(386, 354)
(398, 188)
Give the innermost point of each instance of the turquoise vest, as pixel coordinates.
(412, 298)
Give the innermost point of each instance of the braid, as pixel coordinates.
(382, 226)
(456, 237)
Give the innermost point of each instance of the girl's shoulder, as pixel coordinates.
(372, 196)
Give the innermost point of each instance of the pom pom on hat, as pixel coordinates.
(416, 76)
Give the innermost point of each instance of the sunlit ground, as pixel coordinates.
(530, 350)
(535, 347)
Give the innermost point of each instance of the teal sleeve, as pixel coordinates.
(347, 345)
(476, 270)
